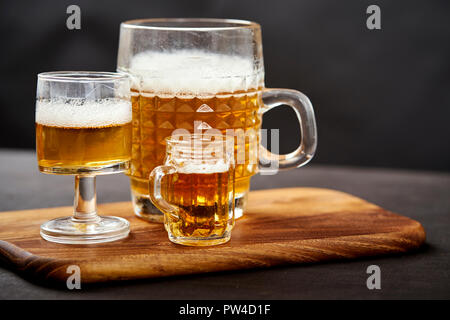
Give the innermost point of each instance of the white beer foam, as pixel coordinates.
(206, 168)
(83, 114)
(193, 73)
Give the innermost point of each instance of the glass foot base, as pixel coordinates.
(144, 208)
(66, 230)
(200, 242)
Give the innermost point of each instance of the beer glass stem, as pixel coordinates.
(85, 202)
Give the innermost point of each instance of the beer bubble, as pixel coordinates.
(205, 168)
(190, 73)
(79, 113)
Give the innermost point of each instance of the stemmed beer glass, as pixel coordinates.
(83, 128)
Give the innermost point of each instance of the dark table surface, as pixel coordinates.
(424, 196)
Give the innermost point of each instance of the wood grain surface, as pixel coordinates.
(281, 226)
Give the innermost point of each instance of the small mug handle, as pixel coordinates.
(155, 189)
(303, 108)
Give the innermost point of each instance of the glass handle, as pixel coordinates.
(155, 189)
(303, 108)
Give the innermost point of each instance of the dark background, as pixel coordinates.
(381, 97)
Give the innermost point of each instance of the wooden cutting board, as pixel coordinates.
(281, 226)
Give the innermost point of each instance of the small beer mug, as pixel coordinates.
(195, 188)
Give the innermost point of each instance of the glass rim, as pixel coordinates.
(221, 24)
(82, 76)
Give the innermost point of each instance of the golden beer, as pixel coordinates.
(82, 147)
(155, 118)
(195, 91)
(72, 136)
(194, 188)
(204, 201)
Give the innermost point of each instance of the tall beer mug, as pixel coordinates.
(203, 74)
